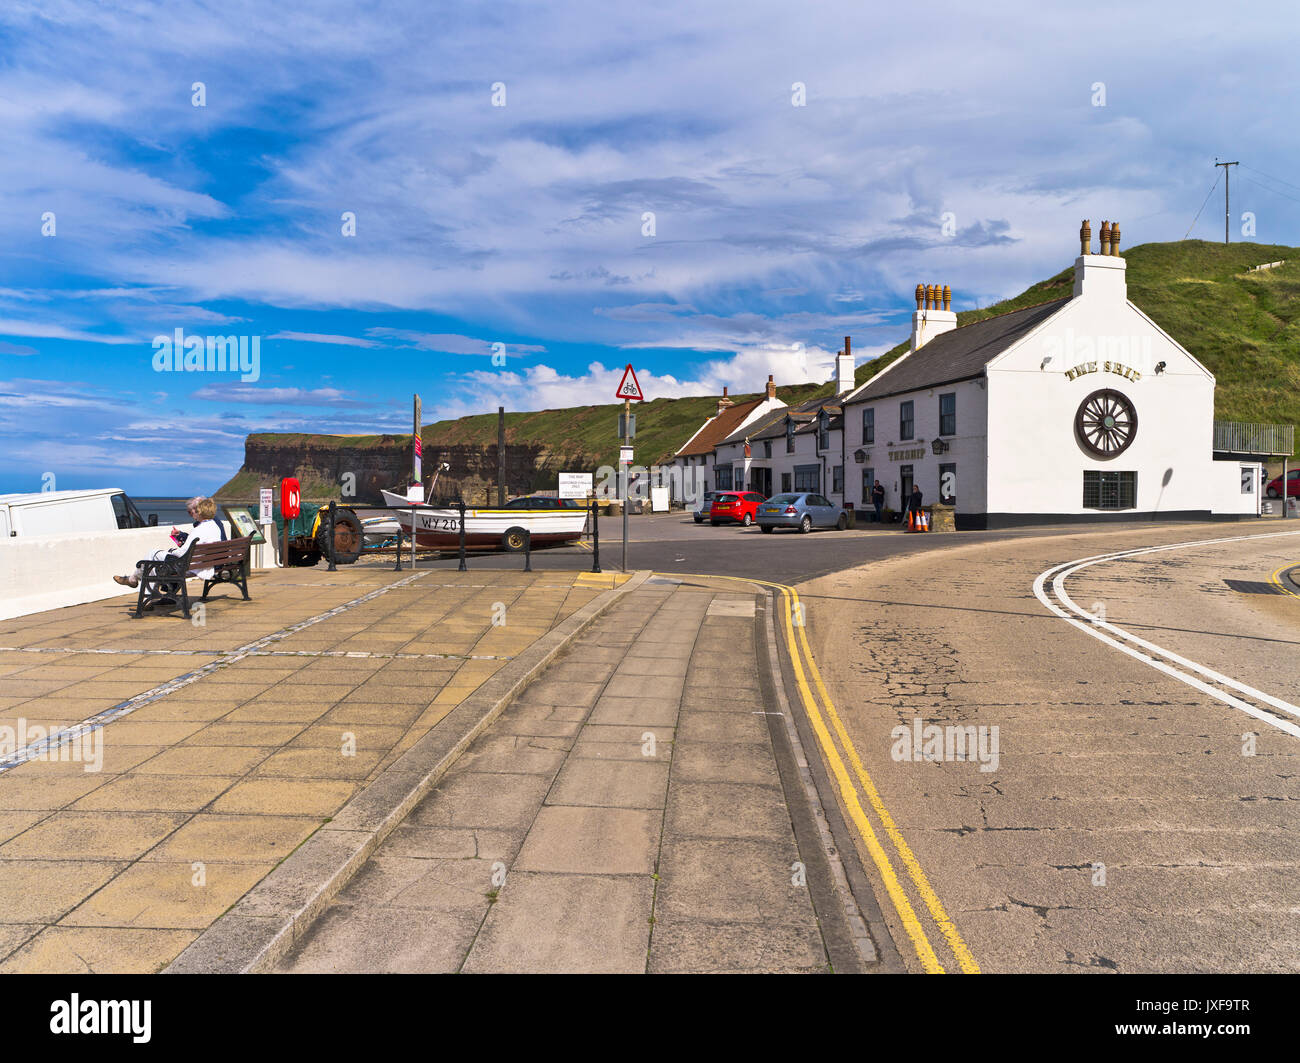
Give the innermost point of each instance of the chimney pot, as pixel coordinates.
(1085, 238)
(1114, 238)
(771, 387)
(929, 296)
(920, 295)
(947, 296)
(1105, 238)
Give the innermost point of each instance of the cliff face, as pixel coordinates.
(322, 465)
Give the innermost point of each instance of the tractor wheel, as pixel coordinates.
(348, 536)
(515, 540)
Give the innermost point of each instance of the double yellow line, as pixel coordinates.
(804, 666)
(1276, 578)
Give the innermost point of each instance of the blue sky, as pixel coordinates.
(778, 229)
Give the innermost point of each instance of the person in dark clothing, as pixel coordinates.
(913, 503)
(878, 500)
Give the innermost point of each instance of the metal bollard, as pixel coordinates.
(463, 566)
(595, 536)
(528, 551)
(393, 509)
(333, 567)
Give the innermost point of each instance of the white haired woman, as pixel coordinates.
(207, 529)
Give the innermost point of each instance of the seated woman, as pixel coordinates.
(207, 529)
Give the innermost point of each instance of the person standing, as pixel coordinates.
(878, 500)
(913, 503)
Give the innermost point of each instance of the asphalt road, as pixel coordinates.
(673, 543)
(1132, 820)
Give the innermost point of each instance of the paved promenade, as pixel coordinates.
(626, 814)
(219, 746)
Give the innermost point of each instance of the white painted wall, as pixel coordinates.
(1033, 450)
(52, 571)
(967, 447)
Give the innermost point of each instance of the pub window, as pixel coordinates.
(868, 482)
(823, 432)
(808, 478)
(767, 448)
(723, 473)
(948, 484)
(869, 425)
(789, 437)
(837, 479)
(906, 420)
(1109, 490)
(738, 478)
(948, 414)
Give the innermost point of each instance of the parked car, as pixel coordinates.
(801, 511)
(705, 504)
(544, 502)
(1274, 489)
(738, 506)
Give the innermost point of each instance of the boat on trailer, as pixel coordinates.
(437, 527)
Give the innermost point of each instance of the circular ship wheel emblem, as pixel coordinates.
(1106, 423)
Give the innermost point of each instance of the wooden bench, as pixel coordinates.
(164, 580)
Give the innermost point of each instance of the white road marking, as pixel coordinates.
(1058, 574)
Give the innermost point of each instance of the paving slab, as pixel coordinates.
(222, 763)
(597, 826)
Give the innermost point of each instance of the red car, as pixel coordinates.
(1274, 489)
(738, 506)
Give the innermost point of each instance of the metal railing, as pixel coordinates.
(1266, 440)
(459, 504)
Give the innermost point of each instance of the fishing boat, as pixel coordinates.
(511, 527)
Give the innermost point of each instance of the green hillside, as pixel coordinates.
(1244, 327)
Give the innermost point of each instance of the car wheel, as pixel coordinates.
(842, 523)
(515, 540)
(746, 520)
(805, 525)
(766, 529)
(699, 519)
(1272, 493)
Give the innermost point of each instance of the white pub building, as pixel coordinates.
(1082, 408)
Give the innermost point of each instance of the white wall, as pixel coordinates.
(966, 448)
(51, 571)
(1036, 461)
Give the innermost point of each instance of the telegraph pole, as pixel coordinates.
(1226, 215)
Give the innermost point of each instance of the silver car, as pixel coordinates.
(804, 511)
(706, 503)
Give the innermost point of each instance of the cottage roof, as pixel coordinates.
(957, 355)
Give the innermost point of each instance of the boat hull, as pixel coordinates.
(439, 528)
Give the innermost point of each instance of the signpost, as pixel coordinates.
(629, 389)
(417, 459)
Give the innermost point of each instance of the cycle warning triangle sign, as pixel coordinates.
(628, 388)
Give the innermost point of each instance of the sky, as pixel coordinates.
(504, 204)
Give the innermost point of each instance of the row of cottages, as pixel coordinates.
(692, 470)
(1081, 408)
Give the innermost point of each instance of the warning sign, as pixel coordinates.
(628, 387)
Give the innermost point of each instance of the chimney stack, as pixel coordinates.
(844, 368)
(1100, 276)
(724, 402)
(933, 315)
(771, 387)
